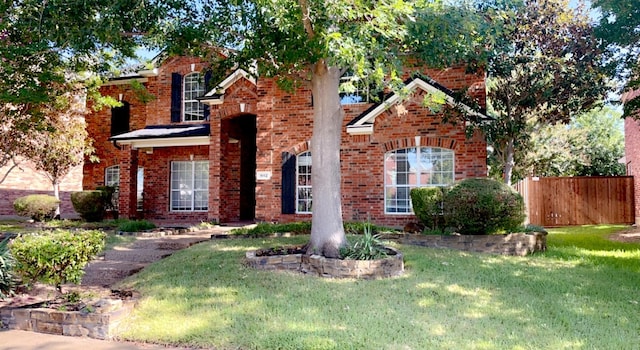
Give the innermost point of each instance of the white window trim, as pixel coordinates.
(364, 93)
(201, 91)
(298, 186)
(193, 190)
(115, 198)
(417, 173)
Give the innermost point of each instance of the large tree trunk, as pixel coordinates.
(327, 232)
(510, 162)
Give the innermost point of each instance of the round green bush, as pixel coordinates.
(39, 207)
(483, 206)
(89, 204)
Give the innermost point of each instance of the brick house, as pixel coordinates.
(631, 151)
(240, 152)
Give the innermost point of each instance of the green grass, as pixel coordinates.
(583, 293)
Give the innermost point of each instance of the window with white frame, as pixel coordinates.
(354, 89)
(190, 186)
(193, 88)
(407, 168)
(303, 183)
(112, 179)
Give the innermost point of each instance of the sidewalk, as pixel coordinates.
(23, 340)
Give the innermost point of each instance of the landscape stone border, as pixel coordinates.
(99, 324)
(391, 266)
(517, 244)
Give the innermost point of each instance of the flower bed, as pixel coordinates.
(519, 244)
(392, 265)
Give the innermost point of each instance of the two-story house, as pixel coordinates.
(240, 151)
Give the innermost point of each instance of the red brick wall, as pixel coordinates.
(632, 156)
(284, 124)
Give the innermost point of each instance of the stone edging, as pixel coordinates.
(98, 325)
(518, 244)
(391, 266)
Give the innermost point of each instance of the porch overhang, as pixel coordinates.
(363, 124)
(165, 136)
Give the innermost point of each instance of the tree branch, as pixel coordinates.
(306, 19)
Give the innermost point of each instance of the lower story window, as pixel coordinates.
(303, 184)
(190, 186)
(414, 167)
(112, 179)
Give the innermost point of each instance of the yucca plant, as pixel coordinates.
(366, 247)
(7, 277)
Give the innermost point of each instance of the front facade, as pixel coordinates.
(240, 152)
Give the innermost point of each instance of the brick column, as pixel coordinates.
(215, 158)
(128, 183)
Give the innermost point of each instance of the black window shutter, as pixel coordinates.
(288, 183)
(120, 119)
(207, 80)
(176, 97)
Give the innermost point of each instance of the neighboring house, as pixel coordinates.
(241, 151)
(24, 180)
(632, 150)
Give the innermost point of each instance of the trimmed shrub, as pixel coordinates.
(136, 226)
(427, 205)
(89, 204)
(108, 192)
(7, 278)
(482, 206)
(39, 207)
(55, 257)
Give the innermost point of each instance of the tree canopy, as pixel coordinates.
(547, 69)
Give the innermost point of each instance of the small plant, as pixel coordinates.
(55, 257)
(89, 204)
(428, 207)
(39, 207)
(483, 206)
(366, 247)
(7, 278)
(136, 226)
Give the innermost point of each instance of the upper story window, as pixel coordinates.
(194, 87)
(120, 119)
(407, 168)
(185, 91)
(354, 89)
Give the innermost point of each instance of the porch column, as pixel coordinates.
(215, 159)
(128, 183)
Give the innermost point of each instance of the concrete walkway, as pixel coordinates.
(23, 340)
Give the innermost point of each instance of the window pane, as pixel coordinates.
(189, 186)
(193, 88)
(304, 189)
(414, 167)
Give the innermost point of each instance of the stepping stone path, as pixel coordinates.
(123, 261)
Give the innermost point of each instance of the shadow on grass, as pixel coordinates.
(204, 296)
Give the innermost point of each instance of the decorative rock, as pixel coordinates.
(519, 244)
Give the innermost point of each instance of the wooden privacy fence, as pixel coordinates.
(565, 201)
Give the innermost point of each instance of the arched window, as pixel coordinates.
(303, 183)
(407, 168)
(194, 87)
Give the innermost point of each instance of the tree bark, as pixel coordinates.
(327, 230)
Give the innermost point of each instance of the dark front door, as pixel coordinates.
(246, 124)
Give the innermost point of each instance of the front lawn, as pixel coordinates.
(584, 293)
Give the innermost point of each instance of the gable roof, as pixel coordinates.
(216, 95)
(165, 136)
(363, 124)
